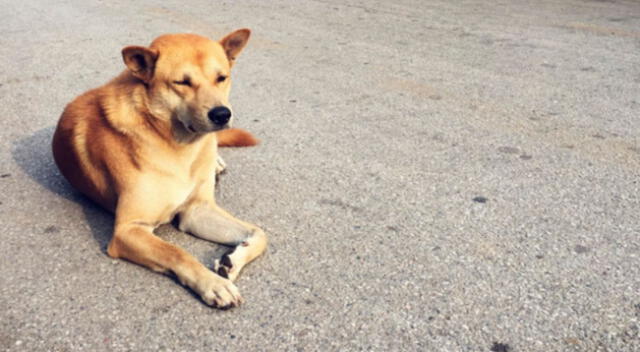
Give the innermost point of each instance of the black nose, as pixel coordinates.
(219, 115)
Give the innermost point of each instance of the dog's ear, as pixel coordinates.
(141, 61)
(234, 42)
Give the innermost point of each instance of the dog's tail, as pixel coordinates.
(235, 137)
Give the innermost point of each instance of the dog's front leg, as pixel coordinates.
(210, 222)
(137, 243)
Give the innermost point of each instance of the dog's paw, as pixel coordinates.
(220, 292)
(231, 263)
(225, 268)
(221, 166)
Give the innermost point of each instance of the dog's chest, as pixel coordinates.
(188, 170)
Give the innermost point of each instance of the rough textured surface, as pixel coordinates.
(434, 176)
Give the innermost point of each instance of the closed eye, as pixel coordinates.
(184, 82)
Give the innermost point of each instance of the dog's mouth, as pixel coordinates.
(191, 129)
(221, 127)
(197, 125)
(192, 126)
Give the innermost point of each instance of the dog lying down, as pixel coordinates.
(144, 146)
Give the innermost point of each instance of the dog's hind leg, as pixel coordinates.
(210, 222)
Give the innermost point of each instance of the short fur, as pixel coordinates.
(143, 147)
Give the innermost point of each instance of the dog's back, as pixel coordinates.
(93, 140)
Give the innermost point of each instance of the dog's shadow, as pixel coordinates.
(33, 155)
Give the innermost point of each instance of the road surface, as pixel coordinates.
(433, 176)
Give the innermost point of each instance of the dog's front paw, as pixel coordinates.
(219, 292)
(220, 165)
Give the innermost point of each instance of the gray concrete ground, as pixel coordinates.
(434, 176)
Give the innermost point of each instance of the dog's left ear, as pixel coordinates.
(234, 42)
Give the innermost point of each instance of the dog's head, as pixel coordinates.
(188, 78)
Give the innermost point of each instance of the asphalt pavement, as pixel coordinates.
(433, 176)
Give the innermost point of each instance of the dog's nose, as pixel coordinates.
(219, 115)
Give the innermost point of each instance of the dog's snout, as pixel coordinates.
(220, 115)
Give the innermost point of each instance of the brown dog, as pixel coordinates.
(144, 146)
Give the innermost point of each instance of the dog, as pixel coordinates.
(144, 146)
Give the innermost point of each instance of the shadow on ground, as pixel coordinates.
(33, 155)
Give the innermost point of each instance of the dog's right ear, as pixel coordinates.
(141, 61)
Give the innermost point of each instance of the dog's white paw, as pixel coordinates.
(220, 165)
(231, 263)
(225, 267)
(219, 292)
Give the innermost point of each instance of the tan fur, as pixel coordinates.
(143, 147)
